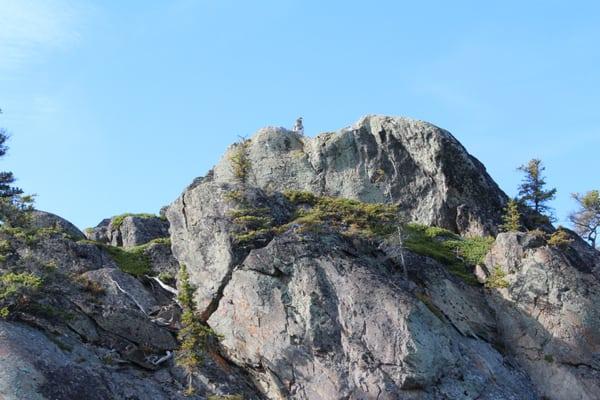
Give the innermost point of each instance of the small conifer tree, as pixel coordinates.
(532, 189)
(13, 204)
(193, 335)
(511, 220)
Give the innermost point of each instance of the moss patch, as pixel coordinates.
(133, 260)
(459, 254)
(497, 279)
(350, 217)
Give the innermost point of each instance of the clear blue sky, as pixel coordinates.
(115, 106)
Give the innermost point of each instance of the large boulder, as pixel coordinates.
(129, 230)
(548, 315)
(202, 233)
(415, 164)
(46, 220)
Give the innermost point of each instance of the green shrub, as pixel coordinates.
(166, 277)
(350, 217)
(472, 250)
(459, 254)
(497, 279)
(298, 197)
(235, 196)
(252, 223)
(193, 335)
(16, 290)
(549, 358)
(133, 260)
(560, 239)
(239, 161)
(165, 241)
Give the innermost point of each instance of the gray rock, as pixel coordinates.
(42, 219)
(129, 231)
(548, 317)
(201, 234)
(432, 177)
(312, 321)
(125, 308)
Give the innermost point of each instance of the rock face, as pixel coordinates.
(42, 219)
(548, 316)
(421, 167)
(341, 325)
(324, 315)
(312, 300)
(129, 230)
(90, 330)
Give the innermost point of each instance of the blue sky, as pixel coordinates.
(116, 106)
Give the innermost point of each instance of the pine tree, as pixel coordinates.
(13, 204)
(532, 189)
(512, 217)
(193, 335)
(586, 220)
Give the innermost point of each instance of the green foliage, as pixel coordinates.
(164, 241)
(511, 220)
(166, 277)
(193, 335)
(117, 221)
(4, 312)
(560, 239)
(31, 235)
(297, 197)
(14, 206)
(497, 279)
(253, 224)
(458, 254)
(16, 290)
(239, 161)
(532, 189)
(235, 196)
(133, 260)
(586, 220)
(471, 250)
(350, 217)
(549, 358)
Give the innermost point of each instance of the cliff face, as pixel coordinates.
(314, 296)
(419, 166)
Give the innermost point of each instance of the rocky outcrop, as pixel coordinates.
(548, 315)
(325, 314)
(313, 298)
(298, 310)
(419, 166)
(129, 230)
(46, 220)
(315, 318)
(202, 234)
(89, 330)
